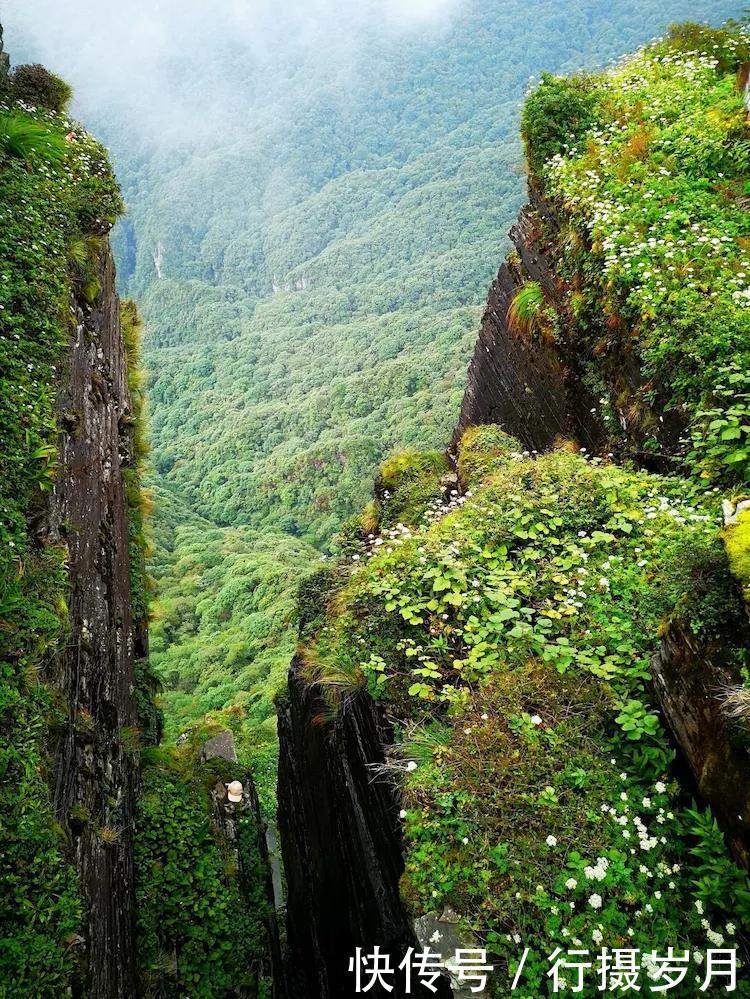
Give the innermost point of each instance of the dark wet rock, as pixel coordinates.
(95, 776)
(531, 388)
(4, 58)
(341, 843)
(689, 679)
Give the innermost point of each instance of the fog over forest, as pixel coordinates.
(164, 64)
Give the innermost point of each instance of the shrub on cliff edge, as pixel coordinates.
(555, 116)
(36, 86)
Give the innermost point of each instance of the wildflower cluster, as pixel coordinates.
(655, 192)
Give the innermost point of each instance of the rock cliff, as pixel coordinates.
(95, 774)
(4, 58)
(532, 389)
(338, 818)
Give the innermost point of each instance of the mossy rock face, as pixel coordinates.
(484, 450)
(737, 541)
(49, 167)
(312, 598)
(192, 901)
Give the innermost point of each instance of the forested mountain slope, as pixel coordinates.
(316, 204)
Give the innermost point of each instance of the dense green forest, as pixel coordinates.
(312, 224)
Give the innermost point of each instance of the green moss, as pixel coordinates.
(407, 484)
(137, 496)
(150, 715)
(483, 450)
(312, 598)
(737, 541)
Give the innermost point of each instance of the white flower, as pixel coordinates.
(465, 841)
(731, 929)
(699, 907)
(485, 716)
(436, 937)
(597, 937)
(411, 765)
(647, 803)
(595, 901)
(715, 938)
(402, 813)
(571, 883)
(536, 720)
(551, 841)
(659, 787)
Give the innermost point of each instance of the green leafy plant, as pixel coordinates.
(28, 140)
(518, 626)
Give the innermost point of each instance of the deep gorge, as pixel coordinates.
(516, 709)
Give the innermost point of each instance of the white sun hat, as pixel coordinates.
(234, 790)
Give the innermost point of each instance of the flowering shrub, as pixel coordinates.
(655, 191)
(511, 633)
